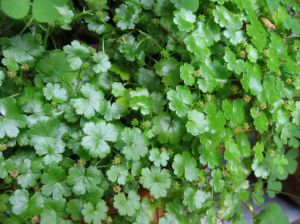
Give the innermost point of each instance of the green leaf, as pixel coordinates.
(280, 162)
(2, 77)
(185, 165)
(226, 19)
(191, 5)
(54, 67)
(158, 158)
(168, 69)
(140, 100)
(11, 120)
(19, 201)
(234, 111)
(45, 11)
(127, 205)
(48, 215)
(157, 180)
(131, 50)
(186, 74)
(113, 111)
(296, 113)
(194, 199)
(260, 169)
(22, 49)
(184, 19)
(217, 182)
(234, 36)
(251, 53)
(274, 187)
(260, 119)
(74, 208)
(118, 174)
(167, 128)
(233, 64)
(102, 62)
(84, 180)
(127, 15)
(197, 123)
(251, 80)
(53, 180)
(50, 148)
(55, 92)
(213, 74)
(94, 215)
(198, 45)
(90, 103)
(77, 53)
(272, 213)
(4, 198)
(180, 100)
(3, 169)
(257, 32)
(66, 16)
(134, 144)
(97, 136)
(16, 9)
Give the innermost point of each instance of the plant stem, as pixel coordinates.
(14, 95)
(249, 208)
(26, 26)
(285, 193)
(46, 37)
(152, 39)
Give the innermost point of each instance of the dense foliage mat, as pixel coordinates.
(147, 111)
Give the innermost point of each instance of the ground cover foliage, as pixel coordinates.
(146, 111)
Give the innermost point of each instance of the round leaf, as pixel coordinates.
(45, 11)
(16, 9)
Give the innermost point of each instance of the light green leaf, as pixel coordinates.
(217, 182)
(50, 148)
(197, 123)
(127, 15)
(157, 180)
(260, 119)
(186, 74)
(118, 174)
(94, 215)
(97, 136)
(234, 111)
(180, 100)
(48, 216)
(127, 205)
(196, 44)
(134, 144)
(55, 92)
(77, 53)
(251, 53)
(185, 165)
(84, 180)
(191, 5)
(102, 62)
(11, 120)
(22, 49)
(184, 19)
(19, 201)
(158, 158)
(194, 199)
(91, 102)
